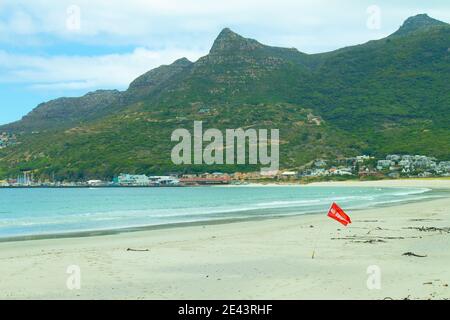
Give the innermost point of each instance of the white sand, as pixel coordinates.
(268, 259)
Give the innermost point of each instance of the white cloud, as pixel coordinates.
(165, 30)
(79, 72)
(165, 23)
(21, 23)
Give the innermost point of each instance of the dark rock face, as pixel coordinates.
(228, 41)
(159, 75)
(417, 23)
(66, 112)
(155, 79)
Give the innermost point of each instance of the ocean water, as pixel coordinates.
(26, 212)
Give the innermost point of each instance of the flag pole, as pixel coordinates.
(314, 251)
(317, 239)
(315, 244)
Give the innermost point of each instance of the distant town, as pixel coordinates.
(393, 166)
(358, 168)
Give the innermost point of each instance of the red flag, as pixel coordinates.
(339, 215)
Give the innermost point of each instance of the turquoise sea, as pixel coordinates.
(25, 212)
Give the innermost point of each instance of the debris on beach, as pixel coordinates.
(438, 284)
(372, 241)
(430, 229)
(376, 229)
(390, 298)
(412, 254)
(138, 250)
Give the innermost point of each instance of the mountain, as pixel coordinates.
(67, 112)
(156, 79)
(419, 22)
(70, 112)
(384, 96)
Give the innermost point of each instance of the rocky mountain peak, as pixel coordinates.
(418, 22)
(229, 41)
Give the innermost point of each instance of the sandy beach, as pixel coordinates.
(265, 259)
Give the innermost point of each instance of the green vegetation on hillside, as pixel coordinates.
(386, 96)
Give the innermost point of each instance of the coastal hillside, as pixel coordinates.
(385, 96)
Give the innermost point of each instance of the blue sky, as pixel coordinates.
(53, 48)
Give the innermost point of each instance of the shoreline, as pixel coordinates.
(432, 183)
(343, 183)
(179, 225)
(219, 221)
(264, 259)
(443, 183)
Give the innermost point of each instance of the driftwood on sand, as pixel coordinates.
(138, 250)
(412, 254)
